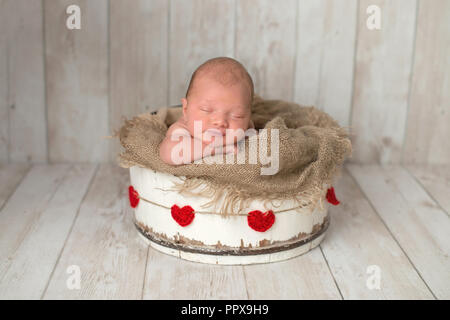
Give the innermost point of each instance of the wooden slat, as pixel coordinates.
(358, 239)
(25, 92)
(426, 139)
(4, 112)
(24, 207)
(382, 71)
(30, 265)
(436, 180)
(77, 83)
(303, 277)
(103, 243)
(168, 277)
(326, 32)
(265, 44)
(10, 177)
(138, 59)
(199, 30)
(421, 227)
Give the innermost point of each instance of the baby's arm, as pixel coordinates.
(181, 139)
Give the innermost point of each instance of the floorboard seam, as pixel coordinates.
(70, 230)
(16, 187)
(389, 230)
(331, 272)
(425, 189)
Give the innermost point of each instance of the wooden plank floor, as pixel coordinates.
(388, 239)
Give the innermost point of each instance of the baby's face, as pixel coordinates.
(217, 106)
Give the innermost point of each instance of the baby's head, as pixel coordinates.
(220, 95)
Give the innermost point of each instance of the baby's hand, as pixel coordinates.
(231, 148)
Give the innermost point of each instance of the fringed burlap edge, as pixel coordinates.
(235, 201)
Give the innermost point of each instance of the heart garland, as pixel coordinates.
(183, 216)
(260, 221)
(256, 219)
(331, 197)
(134, 197)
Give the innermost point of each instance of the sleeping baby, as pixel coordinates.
(216, 113)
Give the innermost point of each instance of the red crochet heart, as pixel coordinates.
(134, 197)
(331, 197)
(183, 216)
(260, 221)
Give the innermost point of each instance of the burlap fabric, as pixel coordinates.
(312, 149)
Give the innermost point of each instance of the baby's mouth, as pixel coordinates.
(216, 131)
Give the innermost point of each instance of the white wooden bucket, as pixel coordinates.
(207, 237)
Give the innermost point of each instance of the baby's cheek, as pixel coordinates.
(197, 126)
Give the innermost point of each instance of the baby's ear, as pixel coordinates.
(184, 105)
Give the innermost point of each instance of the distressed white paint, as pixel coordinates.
(103, 243)
(358, 239)
(77, 82)
(326, 32)
(199, 30)
(138, 46)
(265, 44)
(392, 222)
(388, 85)
(211, 228)
(420, 227)
(30, 265)
(382, 72)
(428, 130)
(23, 123)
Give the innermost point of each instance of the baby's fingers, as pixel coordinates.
(231, 148)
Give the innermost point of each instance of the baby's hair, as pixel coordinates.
(226, 71)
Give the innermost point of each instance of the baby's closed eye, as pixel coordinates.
(205, 109)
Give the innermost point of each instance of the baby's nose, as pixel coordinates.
(219, 121)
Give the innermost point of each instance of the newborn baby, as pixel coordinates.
(216, 113)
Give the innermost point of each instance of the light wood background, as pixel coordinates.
(62, 91)
(393, 218)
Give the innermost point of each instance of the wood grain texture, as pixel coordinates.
(138, 35)
(199, 30)
(382, 73)
(30, 266)
(358, 239)
(10, 177)
(420, 226)
(265, 45)
(435, 179)
(168, 277)
(103, 243)
(23, 111)
(326, 32)
(4, 106)
(19, 215)
(52, 220)
(77, 82)
(428, 130)
(304, 277)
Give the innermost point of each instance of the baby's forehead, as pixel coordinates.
(218, 103)
(213, 80)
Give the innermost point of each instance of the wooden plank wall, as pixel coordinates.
(77, 81)
(382, 72)
(62, 91)
(138, 56)
(428, 130)
(23, 132)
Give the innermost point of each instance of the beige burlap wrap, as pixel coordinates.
(312, 149)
